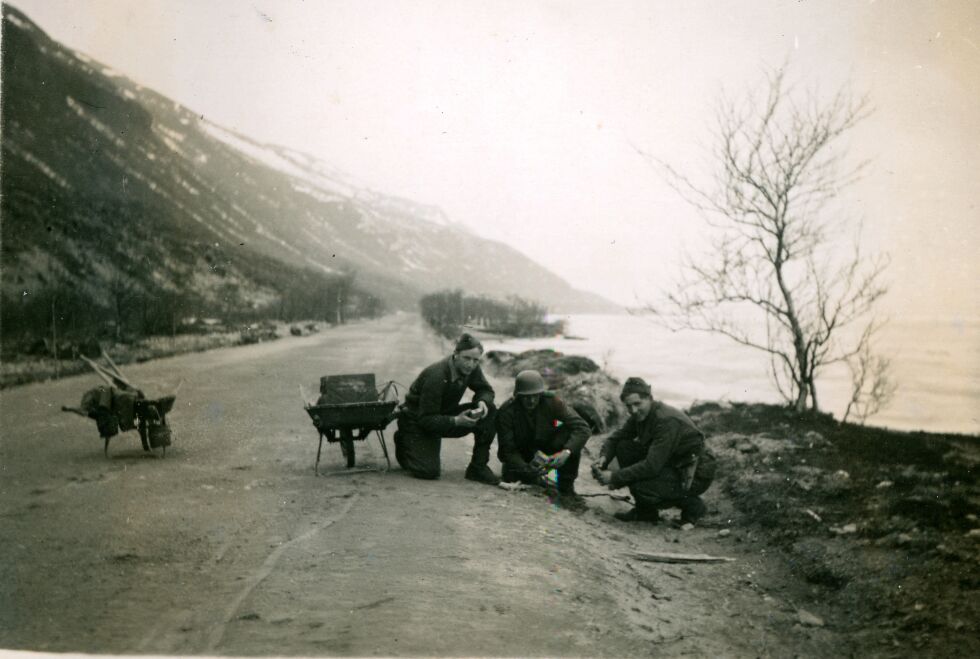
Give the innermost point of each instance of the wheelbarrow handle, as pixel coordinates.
(75, 410)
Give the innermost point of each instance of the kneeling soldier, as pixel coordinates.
(537, 420)
(432, 411)
(661, 458)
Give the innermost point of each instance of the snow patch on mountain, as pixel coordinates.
(37, 162)
(269, 156)
(19, 23)
(95, 123)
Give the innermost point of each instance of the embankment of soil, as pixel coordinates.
(881, 526)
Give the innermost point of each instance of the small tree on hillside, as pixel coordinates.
(776, 278)
(345, 291)
(122, 294)
(872, 387)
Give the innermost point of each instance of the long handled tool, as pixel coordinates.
(125, 407)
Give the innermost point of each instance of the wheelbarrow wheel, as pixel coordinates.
(347, 448)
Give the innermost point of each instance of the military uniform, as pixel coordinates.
(655, 456)
(550, 427)
(427, 415)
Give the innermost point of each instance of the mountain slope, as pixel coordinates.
(104, 179)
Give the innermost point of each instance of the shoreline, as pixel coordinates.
(936, 370)
(602, 378)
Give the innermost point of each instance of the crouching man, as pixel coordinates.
(432, 410)
(661, 456)
(537, 420)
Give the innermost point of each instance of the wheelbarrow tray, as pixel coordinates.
(363, 416)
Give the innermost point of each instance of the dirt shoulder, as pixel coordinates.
(882, 526)
(37, 364)
(230, 544)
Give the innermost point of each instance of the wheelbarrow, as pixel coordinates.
(120, 406)
(349, 409)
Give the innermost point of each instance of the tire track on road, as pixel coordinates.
(218, 633)
(183, 617)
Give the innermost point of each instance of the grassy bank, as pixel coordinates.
(881, 526)
(19, 369)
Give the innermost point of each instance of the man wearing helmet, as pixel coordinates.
(661, 456)
(432, 410)
(535, 419)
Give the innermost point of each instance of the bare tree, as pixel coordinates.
(120, 292)
(872, 387)
(775, 277)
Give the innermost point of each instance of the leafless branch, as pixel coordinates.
(779, 158)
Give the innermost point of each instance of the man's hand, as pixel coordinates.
(464, 420)
(559, 459)
(483, 409)
(533, 470)
(539, 463)
(604, 476)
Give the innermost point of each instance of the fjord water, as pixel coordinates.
(935, 363)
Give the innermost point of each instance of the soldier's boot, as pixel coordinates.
(510, 473)
(479, 468)
(481, 474)
(692, 510)
(639, 514)
(568, 498)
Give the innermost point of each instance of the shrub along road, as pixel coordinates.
(230, 545)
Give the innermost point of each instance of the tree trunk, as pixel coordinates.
(799, 345)
(801, 396)
(54, 338)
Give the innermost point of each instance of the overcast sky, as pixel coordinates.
(517, 118)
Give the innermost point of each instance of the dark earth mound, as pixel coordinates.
(882, 524)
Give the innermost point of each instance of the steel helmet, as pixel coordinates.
(529, 383)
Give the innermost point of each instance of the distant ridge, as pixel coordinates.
(103, 178)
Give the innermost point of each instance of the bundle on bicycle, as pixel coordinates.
(351, 407)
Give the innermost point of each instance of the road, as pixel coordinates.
(231, 545)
